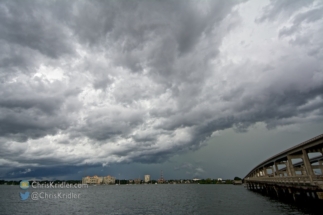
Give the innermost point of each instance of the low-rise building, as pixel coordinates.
(237, 182)
(98, 180)
(160, 181)
(92, 180)
(109, 180)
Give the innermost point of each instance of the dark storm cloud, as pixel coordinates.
(43, 173)
(30, 24)
(33, 110)
(138, 81)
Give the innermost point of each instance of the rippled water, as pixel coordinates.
(146, 199)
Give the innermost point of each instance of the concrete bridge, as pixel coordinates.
(295, 174)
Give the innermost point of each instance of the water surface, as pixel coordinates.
(147, 199)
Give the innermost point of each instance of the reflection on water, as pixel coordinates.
(147, 199)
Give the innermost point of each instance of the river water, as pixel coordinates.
(144, 199)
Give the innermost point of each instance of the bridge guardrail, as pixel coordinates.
(303, 179)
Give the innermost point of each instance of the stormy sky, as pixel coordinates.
(194, 88)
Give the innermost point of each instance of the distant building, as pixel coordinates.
(137, 181)
(92, 180)
(237, 182)
(219, 179)
(196, 179)
(109, 180)
(98, 180)
(160, 181)
(147, 178)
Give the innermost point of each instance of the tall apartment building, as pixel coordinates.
(147, 178)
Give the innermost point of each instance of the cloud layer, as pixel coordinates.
(139, 81)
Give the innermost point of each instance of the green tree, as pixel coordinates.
(208, 181)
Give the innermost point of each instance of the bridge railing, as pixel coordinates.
(302, 179)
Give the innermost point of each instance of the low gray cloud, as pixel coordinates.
(105, 82)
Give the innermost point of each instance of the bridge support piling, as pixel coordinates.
(307, 165)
